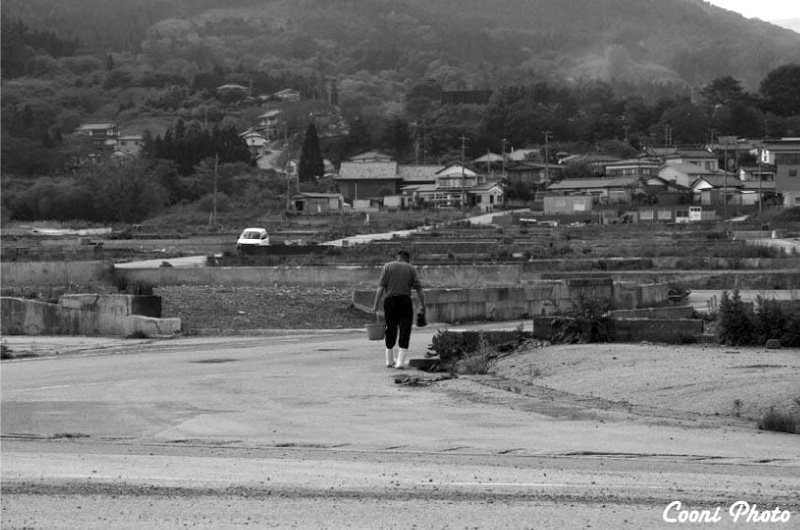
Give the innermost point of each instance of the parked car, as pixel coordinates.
(256, 237)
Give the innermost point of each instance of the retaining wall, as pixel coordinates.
(99, 273)
(56, 273)
(512, 303)
(632, 329)
(87, 314)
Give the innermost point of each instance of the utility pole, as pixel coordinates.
(503, 154)
(760, 180)
(547, 157)
(214, 212)
(463, 173)
(725, 141)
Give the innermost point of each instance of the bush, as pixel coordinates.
(735, 325)
(740, 325)
(777, 421)
(586, 321)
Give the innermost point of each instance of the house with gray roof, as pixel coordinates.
(367, 179)
(684, 173)
(611, 190)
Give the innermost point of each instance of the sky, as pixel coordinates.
(767, 10)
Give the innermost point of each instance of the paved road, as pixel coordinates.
(312, 431)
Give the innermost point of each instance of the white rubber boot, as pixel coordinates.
(401, 358)
(389, 357)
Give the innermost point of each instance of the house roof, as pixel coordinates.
(719, 181)
(371, 156)
(271, 113)
(99, 125)
(486, 186)
(784, 144)
(658, 182)
(315, 195)
(488, 157)
(418, 173)
(455, 169)
(754, 185)
(692, 153)
(688, 168)
(577, 184)
(588, 159)
(518, 155)
(634, 162)
(368, 171)
(232, 87)
(421, 188)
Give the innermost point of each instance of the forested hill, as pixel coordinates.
(464, 43)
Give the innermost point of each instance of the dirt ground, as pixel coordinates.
(705, 383)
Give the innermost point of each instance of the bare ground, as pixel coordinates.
(704, 383)
(687, 383)
(236, 310)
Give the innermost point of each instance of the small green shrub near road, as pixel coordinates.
(743, 324)
(778, 421)
(473, 352)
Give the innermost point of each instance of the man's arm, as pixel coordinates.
(421, 296)
(378, 296)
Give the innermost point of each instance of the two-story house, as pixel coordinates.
(103, 134)
(368, 176)
(785, 155)
(633, 167)
(269, 124)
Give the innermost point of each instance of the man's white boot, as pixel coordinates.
(389, 357)
(401, 358)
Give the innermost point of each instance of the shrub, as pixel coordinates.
(585, 321)
(739, 325)
(770, 322)
(735, 326)
(774, 420)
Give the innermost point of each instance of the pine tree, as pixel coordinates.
(311, 165)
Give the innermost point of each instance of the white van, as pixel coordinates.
(257, 237)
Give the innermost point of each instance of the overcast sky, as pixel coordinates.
(764, 9)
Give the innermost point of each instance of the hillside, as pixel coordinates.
(466, 43)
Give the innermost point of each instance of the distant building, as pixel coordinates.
(311, 203)
(129, 144)
(288, 94)
(103, 134)
(785, 154)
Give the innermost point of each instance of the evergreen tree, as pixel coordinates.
(311, 165)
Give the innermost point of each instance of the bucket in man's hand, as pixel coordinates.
(376, 331)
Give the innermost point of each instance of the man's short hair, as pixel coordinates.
(404, 254)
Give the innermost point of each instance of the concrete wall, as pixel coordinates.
(56, 273)
(512, 303)
(656, 329)
(347, 276)
(87, 314)
(98, 273)
(633, 329)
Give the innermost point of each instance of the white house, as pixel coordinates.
(684, 173)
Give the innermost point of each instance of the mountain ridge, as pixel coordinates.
(465, 43)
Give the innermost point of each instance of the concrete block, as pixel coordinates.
(151, 327)
(773, 344)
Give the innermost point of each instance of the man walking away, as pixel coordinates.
(398, 278)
